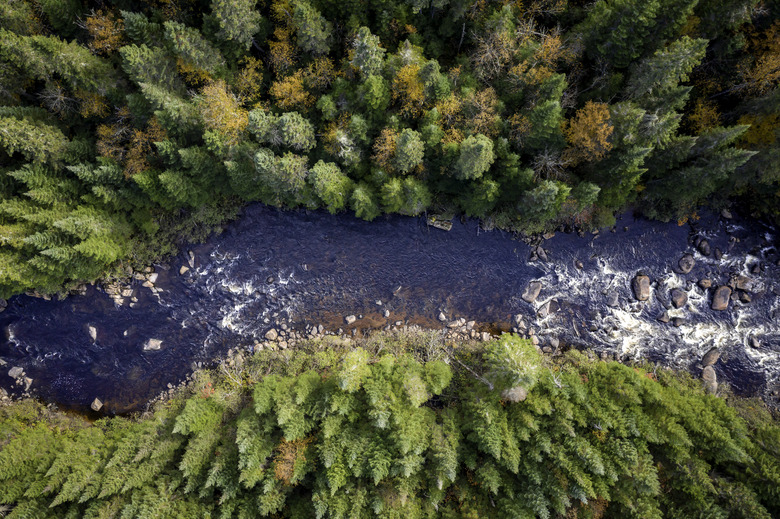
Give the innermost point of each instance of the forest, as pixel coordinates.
(403, 425)
(128, 127)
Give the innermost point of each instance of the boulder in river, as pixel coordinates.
(679, 298)
(15, 372)
(710, 379)
(350, 319)
(664, 317)
(711, 357)
(96, 405)
(641, 287)
(612, 299)
(704, 248)
(544, 310)
(3, 305)
(183, 270)
(153, 344)
(442, 317)
(720, 300)
(705, 283)
(271, 335)
(686, 263)
(532, 291)
(754, 342)
(92, 333)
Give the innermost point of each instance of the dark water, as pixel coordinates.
(313, 268)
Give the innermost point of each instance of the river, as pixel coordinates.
(303, 267)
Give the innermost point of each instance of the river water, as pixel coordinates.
(300, 267)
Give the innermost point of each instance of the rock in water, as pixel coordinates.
(704, 248)
(720, 300)
(93, 333)
(612, 299)
(183, 270)
(710, 379)
(641, 287)
(350, 319)
(705, 283)
(153, 344)
(15, 372)
(271, 335)
(664, 317)
(442, 317)
(686, 263)
(532, 291)
(711, 357)
(679, 298)
(96, 405)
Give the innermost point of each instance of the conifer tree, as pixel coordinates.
(238, 20)
(331, 185)
(368, 53)
(475, 158)
(313, 31)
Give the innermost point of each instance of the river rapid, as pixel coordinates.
(300, 268)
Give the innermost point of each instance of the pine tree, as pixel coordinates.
(237, 19)
(475, 158)
(409, 151)
(190, 46)
(331, 185)
(368, 53)
(313, 31)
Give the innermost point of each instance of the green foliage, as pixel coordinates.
(331, 185)
(400, 106)
(368, 53)
(476, 156)
(409, 150)
(237, 19)
(339, 429)
(313, 30)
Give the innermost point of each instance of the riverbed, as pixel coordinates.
(297, 268)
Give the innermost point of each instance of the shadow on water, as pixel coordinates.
(314, 268)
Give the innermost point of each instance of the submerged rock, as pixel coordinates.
(612, 299)
(721, 298)
(686, 263)
(640, 285)
(532, 291)
(153, 344)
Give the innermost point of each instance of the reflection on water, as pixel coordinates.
(311, 267)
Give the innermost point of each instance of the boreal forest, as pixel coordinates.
(399, 427)
(126, 127)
